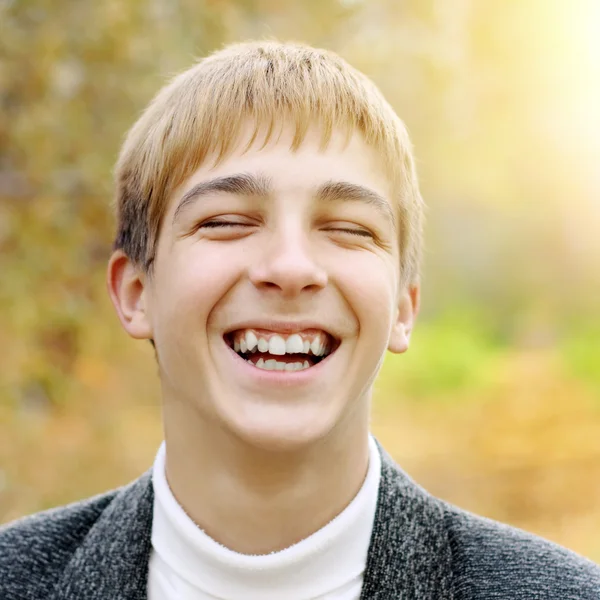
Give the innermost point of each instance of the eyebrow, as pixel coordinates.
(343, 191)
(245, 184)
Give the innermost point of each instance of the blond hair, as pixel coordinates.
(201, 112)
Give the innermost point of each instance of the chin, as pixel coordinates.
(283, 429)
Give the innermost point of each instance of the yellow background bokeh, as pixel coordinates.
(496, 406)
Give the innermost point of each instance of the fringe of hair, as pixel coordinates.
(200, 113)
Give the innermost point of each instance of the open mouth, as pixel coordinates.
(271, 351)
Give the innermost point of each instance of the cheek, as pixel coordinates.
(194, 282)
(369, 287)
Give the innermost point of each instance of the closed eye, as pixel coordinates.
(359, 232)
(215, 224)
(222, 229)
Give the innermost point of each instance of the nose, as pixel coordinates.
(288, 265)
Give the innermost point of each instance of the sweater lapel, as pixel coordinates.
(408, 559)
(409, 555)
(113, 560)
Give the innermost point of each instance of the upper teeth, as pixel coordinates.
(249, 341)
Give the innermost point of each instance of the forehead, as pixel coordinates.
(345, 158)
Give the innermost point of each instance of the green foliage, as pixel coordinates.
(581, 354)
(451, 354)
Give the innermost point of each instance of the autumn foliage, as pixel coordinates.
(495, 407)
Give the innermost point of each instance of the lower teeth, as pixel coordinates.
(276, 365)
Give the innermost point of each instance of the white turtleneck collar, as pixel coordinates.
(186, 564)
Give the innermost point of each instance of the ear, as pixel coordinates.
(408, 309)
(126, 288)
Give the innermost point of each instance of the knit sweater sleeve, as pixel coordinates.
(35, 549)
(493, 561)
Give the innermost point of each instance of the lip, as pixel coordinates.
(285, 327)
(280, 379)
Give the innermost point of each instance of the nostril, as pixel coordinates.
(288, 273)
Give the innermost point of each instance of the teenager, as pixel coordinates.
(268, 245)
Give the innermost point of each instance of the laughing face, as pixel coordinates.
(275, 292)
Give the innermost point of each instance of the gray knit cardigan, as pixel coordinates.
(422, 548)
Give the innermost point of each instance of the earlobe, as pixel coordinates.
(408, 309)
(126, 288)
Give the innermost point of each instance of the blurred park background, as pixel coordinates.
(496, 406)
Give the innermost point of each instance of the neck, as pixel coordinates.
(257, 501)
